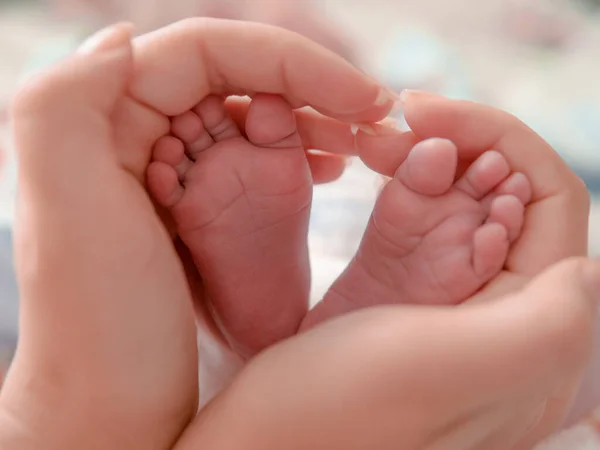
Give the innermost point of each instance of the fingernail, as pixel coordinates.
(386, 96)
(378, 129)
(368, 129)
(389, 122)
(349, 161)
(591, 279)
(107, 39)
(406, 94)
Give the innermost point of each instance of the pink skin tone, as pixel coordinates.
(298, 16)
(434, 238)
(107, 324)
(242, 209)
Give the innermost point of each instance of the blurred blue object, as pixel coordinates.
(9, 303)
(8, 286)
(419, 59)
(590, 178)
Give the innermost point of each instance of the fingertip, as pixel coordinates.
(113, 38)
(391, 102)
(326, 167)
(383, 154)
(407, 96)
(473, 127)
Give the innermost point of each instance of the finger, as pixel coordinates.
(564, 302)
(437, 368)
(385, 151)
(331, 138)
(559, 209)
(477, 128)
(530, 347)
(79, 258)
(538, 342)
(318, 132)
(202, 56)
(325, 167)
(560, 202)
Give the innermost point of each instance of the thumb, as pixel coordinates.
(547, 340)
(521, 356)
(60, 123)
(568, 296)
(73, 101)
(104, 302)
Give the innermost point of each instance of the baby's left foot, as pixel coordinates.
(240, 199)
(432, 240)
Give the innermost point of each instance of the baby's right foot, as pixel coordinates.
(241, 204)
(432, 240)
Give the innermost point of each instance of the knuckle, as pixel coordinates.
(581, 192)
(37, 94)
(570, 321)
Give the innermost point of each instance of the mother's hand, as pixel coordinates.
(556, 224)
(107, 356)
(482, 377)
(491, 375)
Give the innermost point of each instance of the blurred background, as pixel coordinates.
(539, 59)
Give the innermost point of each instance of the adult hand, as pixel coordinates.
(556, 225)
(67, 363)
(490, 375)
(482, 377)
(107, 356)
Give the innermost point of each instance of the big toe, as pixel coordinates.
(271, 123)
(430, 167)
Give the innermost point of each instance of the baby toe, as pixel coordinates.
(163, 184)
(490, 249)
(216, 120)
(481, 177)
(171, 151)
(430, 167)
(508, 211)
(517, 185)
(271, 123)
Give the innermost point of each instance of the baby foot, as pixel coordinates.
(432, 240)
(241, 204)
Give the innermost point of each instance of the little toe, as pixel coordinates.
(485, 174)
(508, 211)
(171, 151)
(217, 122)
(163, 184)
(271, 123)
(189, 128)
(430, 167)
(490, 248)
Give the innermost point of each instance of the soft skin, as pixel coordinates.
(108, 358)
